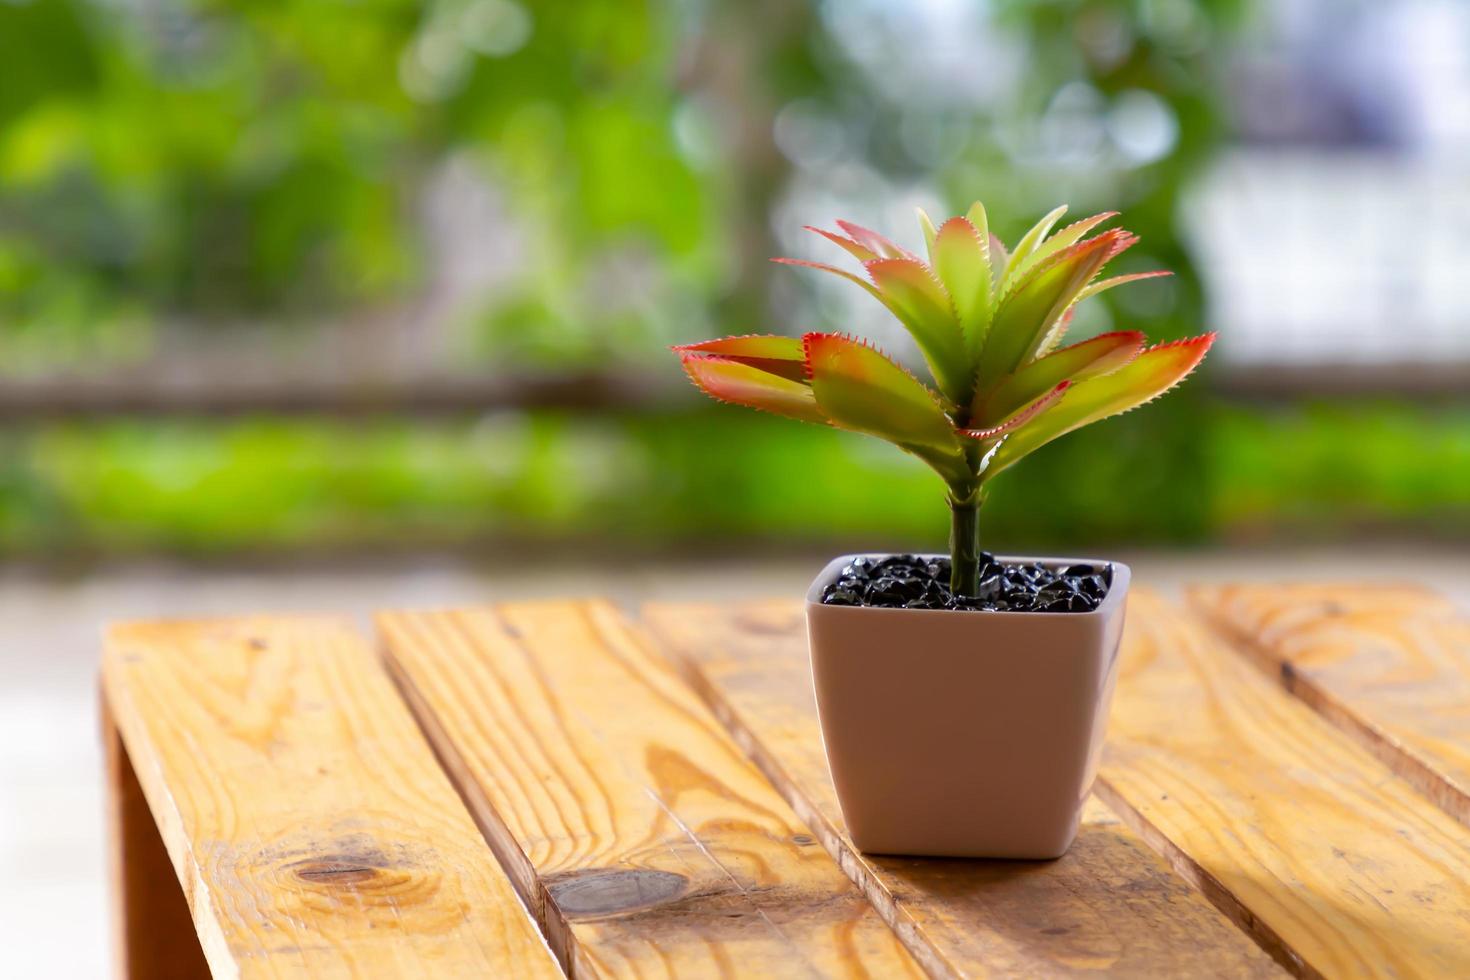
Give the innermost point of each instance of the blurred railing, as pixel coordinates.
(204, 395)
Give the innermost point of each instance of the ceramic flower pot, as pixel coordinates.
(964, 734)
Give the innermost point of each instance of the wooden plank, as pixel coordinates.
(645, 842)
(152, 932)
(1388, 665)
(1295, 831)
(1110, 906)
(304, 814)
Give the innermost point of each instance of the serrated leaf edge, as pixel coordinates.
(1123, 240)
(1023, 415)
(693, 348)
(726, 401)
(806, 350)
(849, 245)
(859, 233)
(1205, 340)
(923, 267)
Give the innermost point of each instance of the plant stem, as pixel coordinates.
(964, 542)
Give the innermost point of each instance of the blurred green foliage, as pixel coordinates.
(207, 163)
(225, 161)
(648, 482)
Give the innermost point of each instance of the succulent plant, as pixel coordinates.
(989, 323)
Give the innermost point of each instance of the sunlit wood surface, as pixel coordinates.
(1388, 665)
(532, 787)
(647, 843)
(309, 827)
(1303, 837)
(1110, 905)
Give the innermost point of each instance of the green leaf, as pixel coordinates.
(977, 217)
(1089, 359)
(1103, 284)
(995, 250)
(927, 226)
(999, 259)
(742, 384)
(962, 262)
(1066, 238)
(860, 389)
(1033, 238)
(1023, 321)
(909, 289)
(781, 356)
(1147, 377)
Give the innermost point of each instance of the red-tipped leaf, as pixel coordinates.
(781, 356)
(741, 384)
(1065, 238)
(1020, 416)
(835, 271)
(912, 293)
(1025, 317)
(860, 389)
(856, 250)
(1089, 359)
(1147, 377)
(962, 262)
(1032, 239)
(874, 242)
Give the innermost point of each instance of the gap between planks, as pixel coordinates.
(1299, 834)
(641, 838)
(1110, 905)
(1389, 665)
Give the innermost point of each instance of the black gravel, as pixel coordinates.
(912, 582)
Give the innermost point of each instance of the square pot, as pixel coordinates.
(964, 734)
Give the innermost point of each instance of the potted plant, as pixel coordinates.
(962, 697)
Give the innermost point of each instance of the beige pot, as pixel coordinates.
(964, 734)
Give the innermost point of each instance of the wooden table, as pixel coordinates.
(524, 789)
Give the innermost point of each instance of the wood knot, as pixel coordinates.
(612, 891)
(364, 870)
(367, 879)
(344, 870)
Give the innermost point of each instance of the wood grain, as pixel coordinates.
(1388, 665)
(152, 932)
(1110, 906)
(305, 817)
(1294, 830)
(645, 842)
